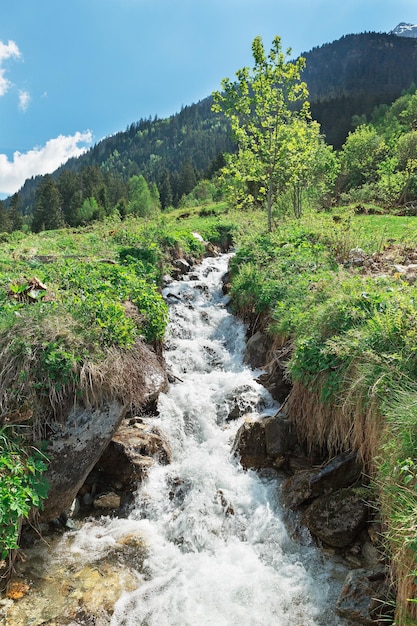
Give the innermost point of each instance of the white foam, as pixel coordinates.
(219, 551)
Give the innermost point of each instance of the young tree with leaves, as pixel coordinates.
(262, 105)
(142, 202)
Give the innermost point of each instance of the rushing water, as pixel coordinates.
(219, 552)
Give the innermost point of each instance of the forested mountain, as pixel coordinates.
(346, 78)
(174, 153)
(353, 75)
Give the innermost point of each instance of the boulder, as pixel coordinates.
(181, 266)
(78, 441)
(338, 518)
(275, 378)
(363, 599)
(226, 283)
(73, 451)
(250, 444)
(264, 443)
(256, 349)
(109, 500)
(342, 471)
(131, 452)
(276, 382)
(280, 437)
(296, 490)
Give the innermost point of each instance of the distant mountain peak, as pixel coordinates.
(405, 30)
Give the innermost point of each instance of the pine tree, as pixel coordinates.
(4, 219)
(15, 215)
(165, 189)
(48, 213)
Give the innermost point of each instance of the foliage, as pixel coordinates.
(353, 358)
(379, 159)
(47, 214)
(22, 486)
(268, 112)
(141, 201)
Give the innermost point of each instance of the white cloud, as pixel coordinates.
(7, 50)
(24, 100)
(43, 160)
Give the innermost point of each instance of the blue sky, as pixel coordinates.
(74, 72)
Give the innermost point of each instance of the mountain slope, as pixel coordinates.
(354, 74)
(347, 77)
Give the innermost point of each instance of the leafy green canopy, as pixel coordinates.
(379, 159)
(270, 119)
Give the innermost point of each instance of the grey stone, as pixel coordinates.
(182, 266)
(256, 349)
(343, 471)
(131, 452)
(337, 518)
(107, 501)
(74, 450)
(280, 437)
(250, 445)
(364, 596)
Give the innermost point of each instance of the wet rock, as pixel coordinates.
(256, 349)
(79, 439)
(211, 249)
(226, 283)
(250, 444)
(343, 471)
(363, 598)
(296, 490)
(275, 378)
(264, 443)
(132, 451)
(280, 437)
(182, 266)
(107, 501)
(236, 412)
(337, 518)
(275, 381)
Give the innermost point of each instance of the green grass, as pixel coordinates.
(353, 334)
(354, 351)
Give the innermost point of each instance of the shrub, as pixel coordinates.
(22, 486)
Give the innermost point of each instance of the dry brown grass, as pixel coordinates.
(130, 376)
(331, 428)
(404, 575)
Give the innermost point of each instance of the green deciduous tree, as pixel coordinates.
(142, 202)
(407, 161)
(363, 151)
(263, 105)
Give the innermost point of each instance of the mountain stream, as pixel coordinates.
(217, 547)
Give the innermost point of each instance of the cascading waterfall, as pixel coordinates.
(218, 550)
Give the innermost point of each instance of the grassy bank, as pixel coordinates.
(341, 288)
(74, 303)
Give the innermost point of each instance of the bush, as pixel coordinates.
(22, 486)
